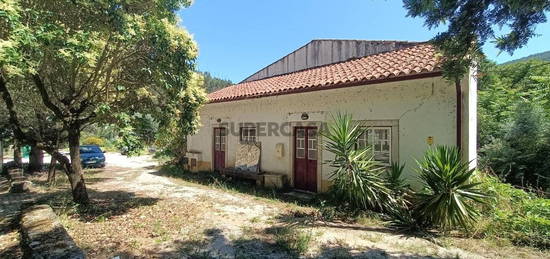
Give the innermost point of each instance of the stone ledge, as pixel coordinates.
(45, 237)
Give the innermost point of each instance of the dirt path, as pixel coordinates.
(184, 219)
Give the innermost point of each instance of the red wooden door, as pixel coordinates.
(219, 148)
(305, 158)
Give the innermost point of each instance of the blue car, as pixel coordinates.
(92, 156)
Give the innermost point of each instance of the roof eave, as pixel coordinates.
(335, 86)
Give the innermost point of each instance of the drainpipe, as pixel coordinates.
(458, 115)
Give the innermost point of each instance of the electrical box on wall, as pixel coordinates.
(279, 150)
(430, 140)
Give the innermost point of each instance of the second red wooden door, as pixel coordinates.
(305, 158)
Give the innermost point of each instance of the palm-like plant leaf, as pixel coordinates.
(449, 200)
(357, 175)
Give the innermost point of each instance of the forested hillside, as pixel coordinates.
(544, 56)
(212, 83)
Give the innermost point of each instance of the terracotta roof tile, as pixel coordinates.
(416, 60)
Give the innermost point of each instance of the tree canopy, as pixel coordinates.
(97, 62)
(471, 23)
(513, 115)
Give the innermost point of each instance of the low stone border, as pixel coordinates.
(45, 237)
(19, 183)
(15, 174)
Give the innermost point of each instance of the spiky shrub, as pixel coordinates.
(403, 219)
(357, 175)
(400, 189)
(395, 178)
(448, 201)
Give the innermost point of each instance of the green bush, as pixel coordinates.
(356, 177)
(514, 214)
(450, 195)
(93, 140)
(519, 155)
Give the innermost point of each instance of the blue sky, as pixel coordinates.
(238, 37)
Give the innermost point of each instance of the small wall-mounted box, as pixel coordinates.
(279, 150)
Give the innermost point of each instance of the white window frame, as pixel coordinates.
(301, 144)
(246, 136)
(365, 139)
(312, 145)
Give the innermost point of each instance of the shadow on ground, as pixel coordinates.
(314, 220)
(216, 180)
(102, 204)
(91, 176)
(217, 245)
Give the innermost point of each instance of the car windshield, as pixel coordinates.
(90, 149)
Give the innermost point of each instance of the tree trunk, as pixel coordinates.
(17, 158)
(74, 169)
(51, 170)
(1, 156)
(36, 160)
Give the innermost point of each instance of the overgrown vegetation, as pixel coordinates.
(514, 117)
(519, 155)
(453, 197)
(513, 214)
(446, 202)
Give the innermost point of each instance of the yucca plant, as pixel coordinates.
(400, 189)
(395, 178)
(448, 201)
(403, 219)
(357, 175)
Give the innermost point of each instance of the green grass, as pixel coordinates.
(292, 239)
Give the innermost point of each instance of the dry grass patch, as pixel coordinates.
(140, 231)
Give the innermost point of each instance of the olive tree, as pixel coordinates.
(94, 62)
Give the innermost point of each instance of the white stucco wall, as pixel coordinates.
(422, 108)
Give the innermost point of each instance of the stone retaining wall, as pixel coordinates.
(45, 237)
(19, 183)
